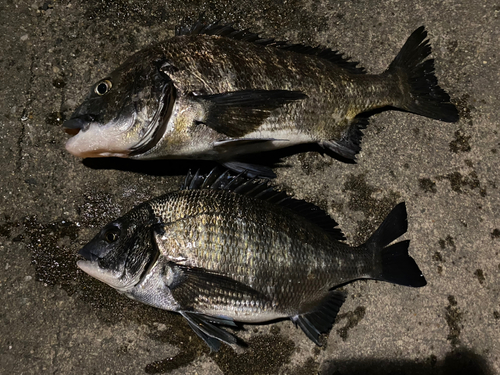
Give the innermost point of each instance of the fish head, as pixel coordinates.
(125, 112)
(121, 254)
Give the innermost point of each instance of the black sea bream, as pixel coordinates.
(226, 250)
(214, 93)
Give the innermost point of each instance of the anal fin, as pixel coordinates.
(349, 145)
(321, 318)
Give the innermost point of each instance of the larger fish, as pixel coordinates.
(226, 250)
(215, 93)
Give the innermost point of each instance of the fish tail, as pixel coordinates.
(392, 263)
(421, 92)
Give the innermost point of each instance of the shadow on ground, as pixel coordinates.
(458, 362)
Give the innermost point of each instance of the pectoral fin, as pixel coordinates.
(196, 289)
(197, 284)
(240, 112)
(211, 334)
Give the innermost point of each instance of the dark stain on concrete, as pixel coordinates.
(437, 257)
(179, 334)
(480, 275)
(51, 251)
(448, 242)
(460, 143)
(312, 163)
(353, 318)
(464, 108)
(453, 317)
(265, 355)
(458, 182)
(55, 118)
(495, 234)
(6, 228)
(375, 210)
(58, 83)
(496, 314)
(427, 185)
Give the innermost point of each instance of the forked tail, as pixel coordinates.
(393, 264)
(421, 92)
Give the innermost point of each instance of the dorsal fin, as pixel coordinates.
(218, 179)
(228, 31)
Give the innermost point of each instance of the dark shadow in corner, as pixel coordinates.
(457, 362)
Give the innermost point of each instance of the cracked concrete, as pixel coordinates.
(54, 319)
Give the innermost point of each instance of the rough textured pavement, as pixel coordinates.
(54, 319)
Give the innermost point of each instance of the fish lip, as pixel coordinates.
(87, 254)
(79, 123)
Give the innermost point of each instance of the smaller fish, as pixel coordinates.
(230, 249)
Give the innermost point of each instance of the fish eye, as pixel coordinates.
(112, 235)
(103, 87)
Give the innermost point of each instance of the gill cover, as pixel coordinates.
(126, 112)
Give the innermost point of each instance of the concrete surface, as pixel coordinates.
(56, 320)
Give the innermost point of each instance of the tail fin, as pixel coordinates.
(424, 96)
(395, 265)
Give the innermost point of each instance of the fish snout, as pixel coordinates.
(88, 253)
(75, 124)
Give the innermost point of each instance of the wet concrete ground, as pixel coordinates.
(54, 319)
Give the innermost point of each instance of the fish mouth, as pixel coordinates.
(106, 276)
(91, 139)
(86, 253)
(75, 124)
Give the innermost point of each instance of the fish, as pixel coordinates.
(215, 93)
(227, 250)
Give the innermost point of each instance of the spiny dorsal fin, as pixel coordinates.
(227, 31)
(260, 189)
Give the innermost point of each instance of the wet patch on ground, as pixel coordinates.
(52, 253)
(55, 119)
(460, 143)
(461, 184)
(453, 317)
(151, 13)
(438, 258)
(265, 355)
(352, 320)
(427, 185)
(361, 199)
(314, 163)
(464, 108)
(458, 182)
(479, 275)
